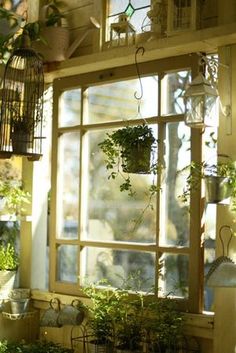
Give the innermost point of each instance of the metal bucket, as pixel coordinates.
(217, 189)
(19, 306)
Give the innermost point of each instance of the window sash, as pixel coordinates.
(195, 250)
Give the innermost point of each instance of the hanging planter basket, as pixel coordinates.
(217, 189)
(138, 158)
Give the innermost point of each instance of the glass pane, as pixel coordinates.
(116, 7)
(175, 274)
(175, 213)
(117, 266)
(70, 108)
(68, 185)
(210, 156)
(209, 252)
(116, 101)
(173, 86)
(67, 269)
(137, 20)
(113, 215)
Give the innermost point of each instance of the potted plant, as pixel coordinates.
(164, 326)
(220, 181)
(129, 323)
(129, 148)
(100, 321)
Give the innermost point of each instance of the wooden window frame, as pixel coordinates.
(194, 303)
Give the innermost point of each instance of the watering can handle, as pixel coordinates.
(221, 239)
(45, 10)
(55, 304)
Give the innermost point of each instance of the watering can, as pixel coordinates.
(58, 47)
(72, 314)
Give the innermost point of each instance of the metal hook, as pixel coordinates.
(142, 50)
(221, 239)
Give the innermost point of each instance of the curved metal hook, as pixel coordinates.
(142, 50)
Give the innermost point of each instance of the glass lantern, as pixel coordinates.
(201, 103)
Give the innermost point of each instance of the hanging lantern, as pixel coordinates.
(200, 103)
(183, 15)
(22, 104)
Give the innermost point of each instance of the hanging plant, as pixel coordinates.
(129, 150)
(220, 181)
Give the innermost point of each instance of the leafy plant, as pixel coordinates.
(122, 148)
(200, 171)
(35, 347)
(164, 325)
(11, 22)
(16, 197)
(14, 39)
(129, 321)
(101, 311)
(54, 15)
(8, 258)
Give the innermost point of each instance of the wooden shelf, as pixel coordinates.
(204, 40)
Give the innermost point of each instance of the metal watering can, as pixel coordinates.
(58, 46)
(50, 316)
(72, 314)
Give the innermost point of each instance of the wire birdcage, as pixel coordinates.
(21, 117)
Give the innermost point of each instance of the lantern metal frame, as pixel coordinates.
(201, 96)
(122, 32)
(200, 102)
(21, 120)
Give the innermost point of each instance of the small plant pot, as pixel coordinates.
(20, 142)
(19, 306)
(137, 160)
(217, 189)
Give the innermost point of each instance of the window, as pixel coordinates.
(136, 10)
(93, 232)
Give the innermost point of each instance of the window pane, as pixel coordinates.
(209, 252)
(175, 214)
(67, 256)
(111, 214)
(175, 272)
(70, 108)
(173, 86)
(117, 265)
(68, 185)
(116, 101)
(116, 7)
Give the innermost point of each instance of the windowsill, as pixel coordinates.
(199, 325)
(204, 40)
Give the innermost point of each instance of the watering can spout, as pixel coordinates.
(93, 25)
